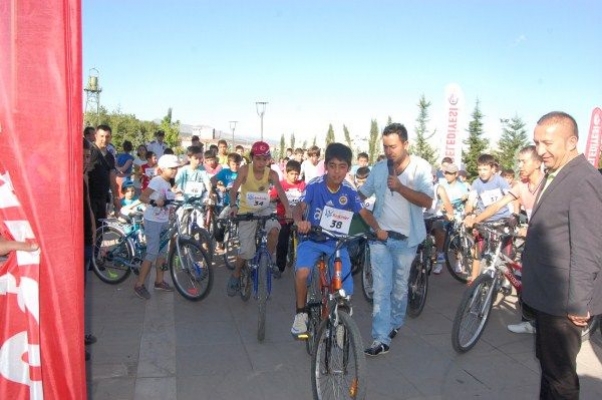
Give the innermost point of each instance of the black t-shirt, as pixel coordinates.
(99, 173)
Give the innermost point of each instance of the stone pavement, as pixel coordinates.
(169, 348)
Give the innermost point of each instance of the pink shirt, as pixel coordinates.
(525, 196)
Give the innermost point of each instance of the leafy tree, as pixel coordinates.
(373, 142)
(514, 137)
(314, 141)
(282, 147)
(330, 135)
(172, 131)
(476, 143)
(347, 137)
(389, 121)
(420, 146)
(293, 141)
(304, 145)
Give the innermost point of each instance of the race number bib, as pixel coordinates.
(489, 197)
(293, 196)
(195, 188)
(335, 220)
(150, 172)
(258, 200)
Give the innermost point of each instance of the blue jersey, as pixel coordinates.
(227, 177)
(317, 196)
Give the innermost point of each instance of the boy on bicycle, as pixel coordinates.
(328, 201)
(254, 182)
(156, 220)
(192, 180)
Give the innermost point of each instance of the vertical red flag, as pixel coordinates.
(594, 138)
(41, 294)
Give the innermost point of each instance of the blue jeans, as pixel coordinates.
(391, 263)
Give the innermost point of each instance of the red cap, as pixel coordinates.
(260, 149)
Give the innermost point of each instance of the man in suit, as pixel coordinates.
(563, 254)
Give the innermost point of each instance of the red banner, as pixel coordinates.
(41, 293)
(593, 146)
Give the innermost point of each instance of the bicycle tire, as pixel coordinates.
(262, 293)
(231, 246)
(458, 249)
(291, 254)
(202, 237)
(314, 310)
(418, 286)
(245, 282)
(105, 260)
(338, 363)
(358, 259)
(191, 270)
(367, 278)
(474, 304)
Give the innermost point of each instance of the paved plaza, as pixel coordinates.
(169, 348)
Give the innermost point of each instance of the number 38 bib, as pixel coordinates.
(336, 220)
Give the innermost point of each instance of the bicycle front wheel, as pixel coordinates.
(231, 245)
(458, 256)
(418, 286)
(291, 255)
(262, 293)
(473, 313)
(190, 270)
(314, 310)
(111, 255)
(338, 364)
(202, 237)
(367, 288)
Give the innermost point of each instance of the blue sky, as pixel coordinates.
(343, 62)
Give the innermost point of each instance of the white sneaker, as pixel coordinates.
(438, 268)
(523, 327)
(300, 324)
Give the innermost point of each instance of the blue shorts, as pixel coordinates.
(309, 251)
(153, 231)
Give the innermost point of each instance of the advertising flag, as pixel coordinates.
(593, 145)
(454, 128)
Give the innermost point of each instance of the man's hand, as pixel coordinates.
(394, 184)
(303, 227)
(382, 234)
(579, 320)
(469, 221)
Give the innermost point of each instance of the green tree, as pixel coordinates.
(389, 121)
(514, 138)
(330, 135)
(304, 145)
(476, 143)
(123, 126)
(172, 131)
(282, 147)
(373, 142)
(347, 137)
(420, 145)
(314, 141)
(293, 141)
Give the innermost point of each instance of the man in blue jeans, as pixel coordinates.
(403, 186)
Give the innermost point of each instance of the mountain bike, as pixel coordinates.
(256, 274)
(458, 248)
(192, 216)
(333, 338)
(422, 265)
(231, 242)
(120, 246)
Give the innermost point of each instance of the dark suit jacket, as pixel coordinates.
(562, 258)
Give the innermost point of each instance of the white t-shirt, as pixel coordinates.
(162, 190)
(310, 171)
(396, 210)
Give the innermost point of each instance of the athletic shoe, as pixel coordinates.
(142, 292)
(440, 258)
(300, 324)
(438, 268)
(393, 332)
(276, 273)
(163, 286)
(89, 339)
(376, 349)
(523, 327)
(233, 286)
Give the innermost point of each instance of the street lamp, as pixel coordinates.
(233, 128)
(260, 111)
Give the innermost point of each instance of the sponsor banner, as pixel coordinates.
(454, 128)
(593, 145)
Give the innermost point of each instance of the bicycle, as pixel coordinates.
(422, 265)
(193, 211)
(231, 242)
(256, 274)
(333, 338)
(120, 246)
(458, 248)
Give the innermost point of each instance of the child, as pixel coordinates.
(312, 167)
(148, 170)
(192, 180)
(487, 189)
(156, 221)
(293, 188)
(129, 200)
(226, 177)
(254, 181)
(322, 195)
(210, 164)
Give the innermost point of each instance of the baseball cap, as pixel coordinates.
(169, 161)
(260, 149)
(451, 168)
